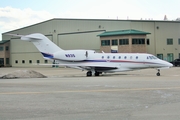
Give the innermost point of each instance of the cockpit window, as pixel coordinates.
(152, 57)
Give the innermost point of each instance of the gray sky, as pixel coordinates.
(16, 14)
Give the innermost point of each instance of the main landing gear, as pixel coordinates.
(158, 73)
(89, 73)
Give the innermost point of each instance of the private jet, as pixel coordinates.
(94, 63)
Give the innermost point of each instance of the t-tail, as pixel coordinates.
(43, 44)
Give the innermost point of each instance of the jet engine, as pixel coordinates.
(71, 55)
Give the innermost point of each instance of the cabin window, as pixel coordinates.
(147, 57)
(108, 57)
(16, 61)
(136, 57)
(125, 57)
(113, 57)
(131, 57)
(102, 57)
(119, 57)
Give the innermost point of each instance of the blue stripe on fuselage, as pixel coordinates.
(47, 55)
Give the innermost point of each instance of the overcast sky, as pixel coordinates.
(16, 14)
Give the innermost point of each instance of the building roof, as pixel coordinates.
(4, 41)
(123, 32)
(166, 21)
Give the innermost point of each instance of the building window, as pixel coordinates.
(170, 57)
(114, 42)
(160, 56)
(169, 41)
(148, 42)
(38, 61)
(138, 41)
(23, 61)
(7, 48)
(179, 41)
(123, 41)
(45, 61)
(7, 61)
(1, 48)
(16, 61)
(30, 61)
(105, 42)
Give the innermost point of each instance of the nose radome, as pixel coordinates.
(170, 64)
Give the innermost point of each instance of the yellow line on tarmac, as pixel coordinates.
(86, 91)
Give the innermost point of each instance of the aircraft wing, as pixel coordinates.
(87, 66)
(91, 66)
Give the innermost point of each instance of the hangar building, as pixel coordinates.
(161, 38)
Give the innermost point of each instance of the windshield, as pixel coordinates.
(151, 57)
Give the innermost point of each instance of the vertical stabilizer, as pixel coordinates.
(42, 43)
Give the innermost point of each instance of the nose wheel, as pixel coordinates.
(158, 73)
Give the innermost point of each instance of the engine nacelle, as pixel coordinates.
(71, 55)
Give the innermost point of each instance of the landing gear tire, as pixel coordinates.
(158, 74)
(89, 73)
(96, 73)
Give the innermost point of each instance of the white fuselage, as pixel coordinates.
(117, 61)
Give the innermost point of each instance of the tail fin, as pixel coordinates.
(42, 43)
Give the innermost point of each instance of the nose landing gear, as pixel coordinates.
(158, 73)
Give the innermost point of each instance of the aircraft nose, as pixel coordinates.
(170, 64)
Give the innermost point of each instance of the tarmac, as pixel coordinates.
(67, 94)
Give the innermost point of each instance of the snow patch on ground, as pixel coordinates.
(23, 74)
